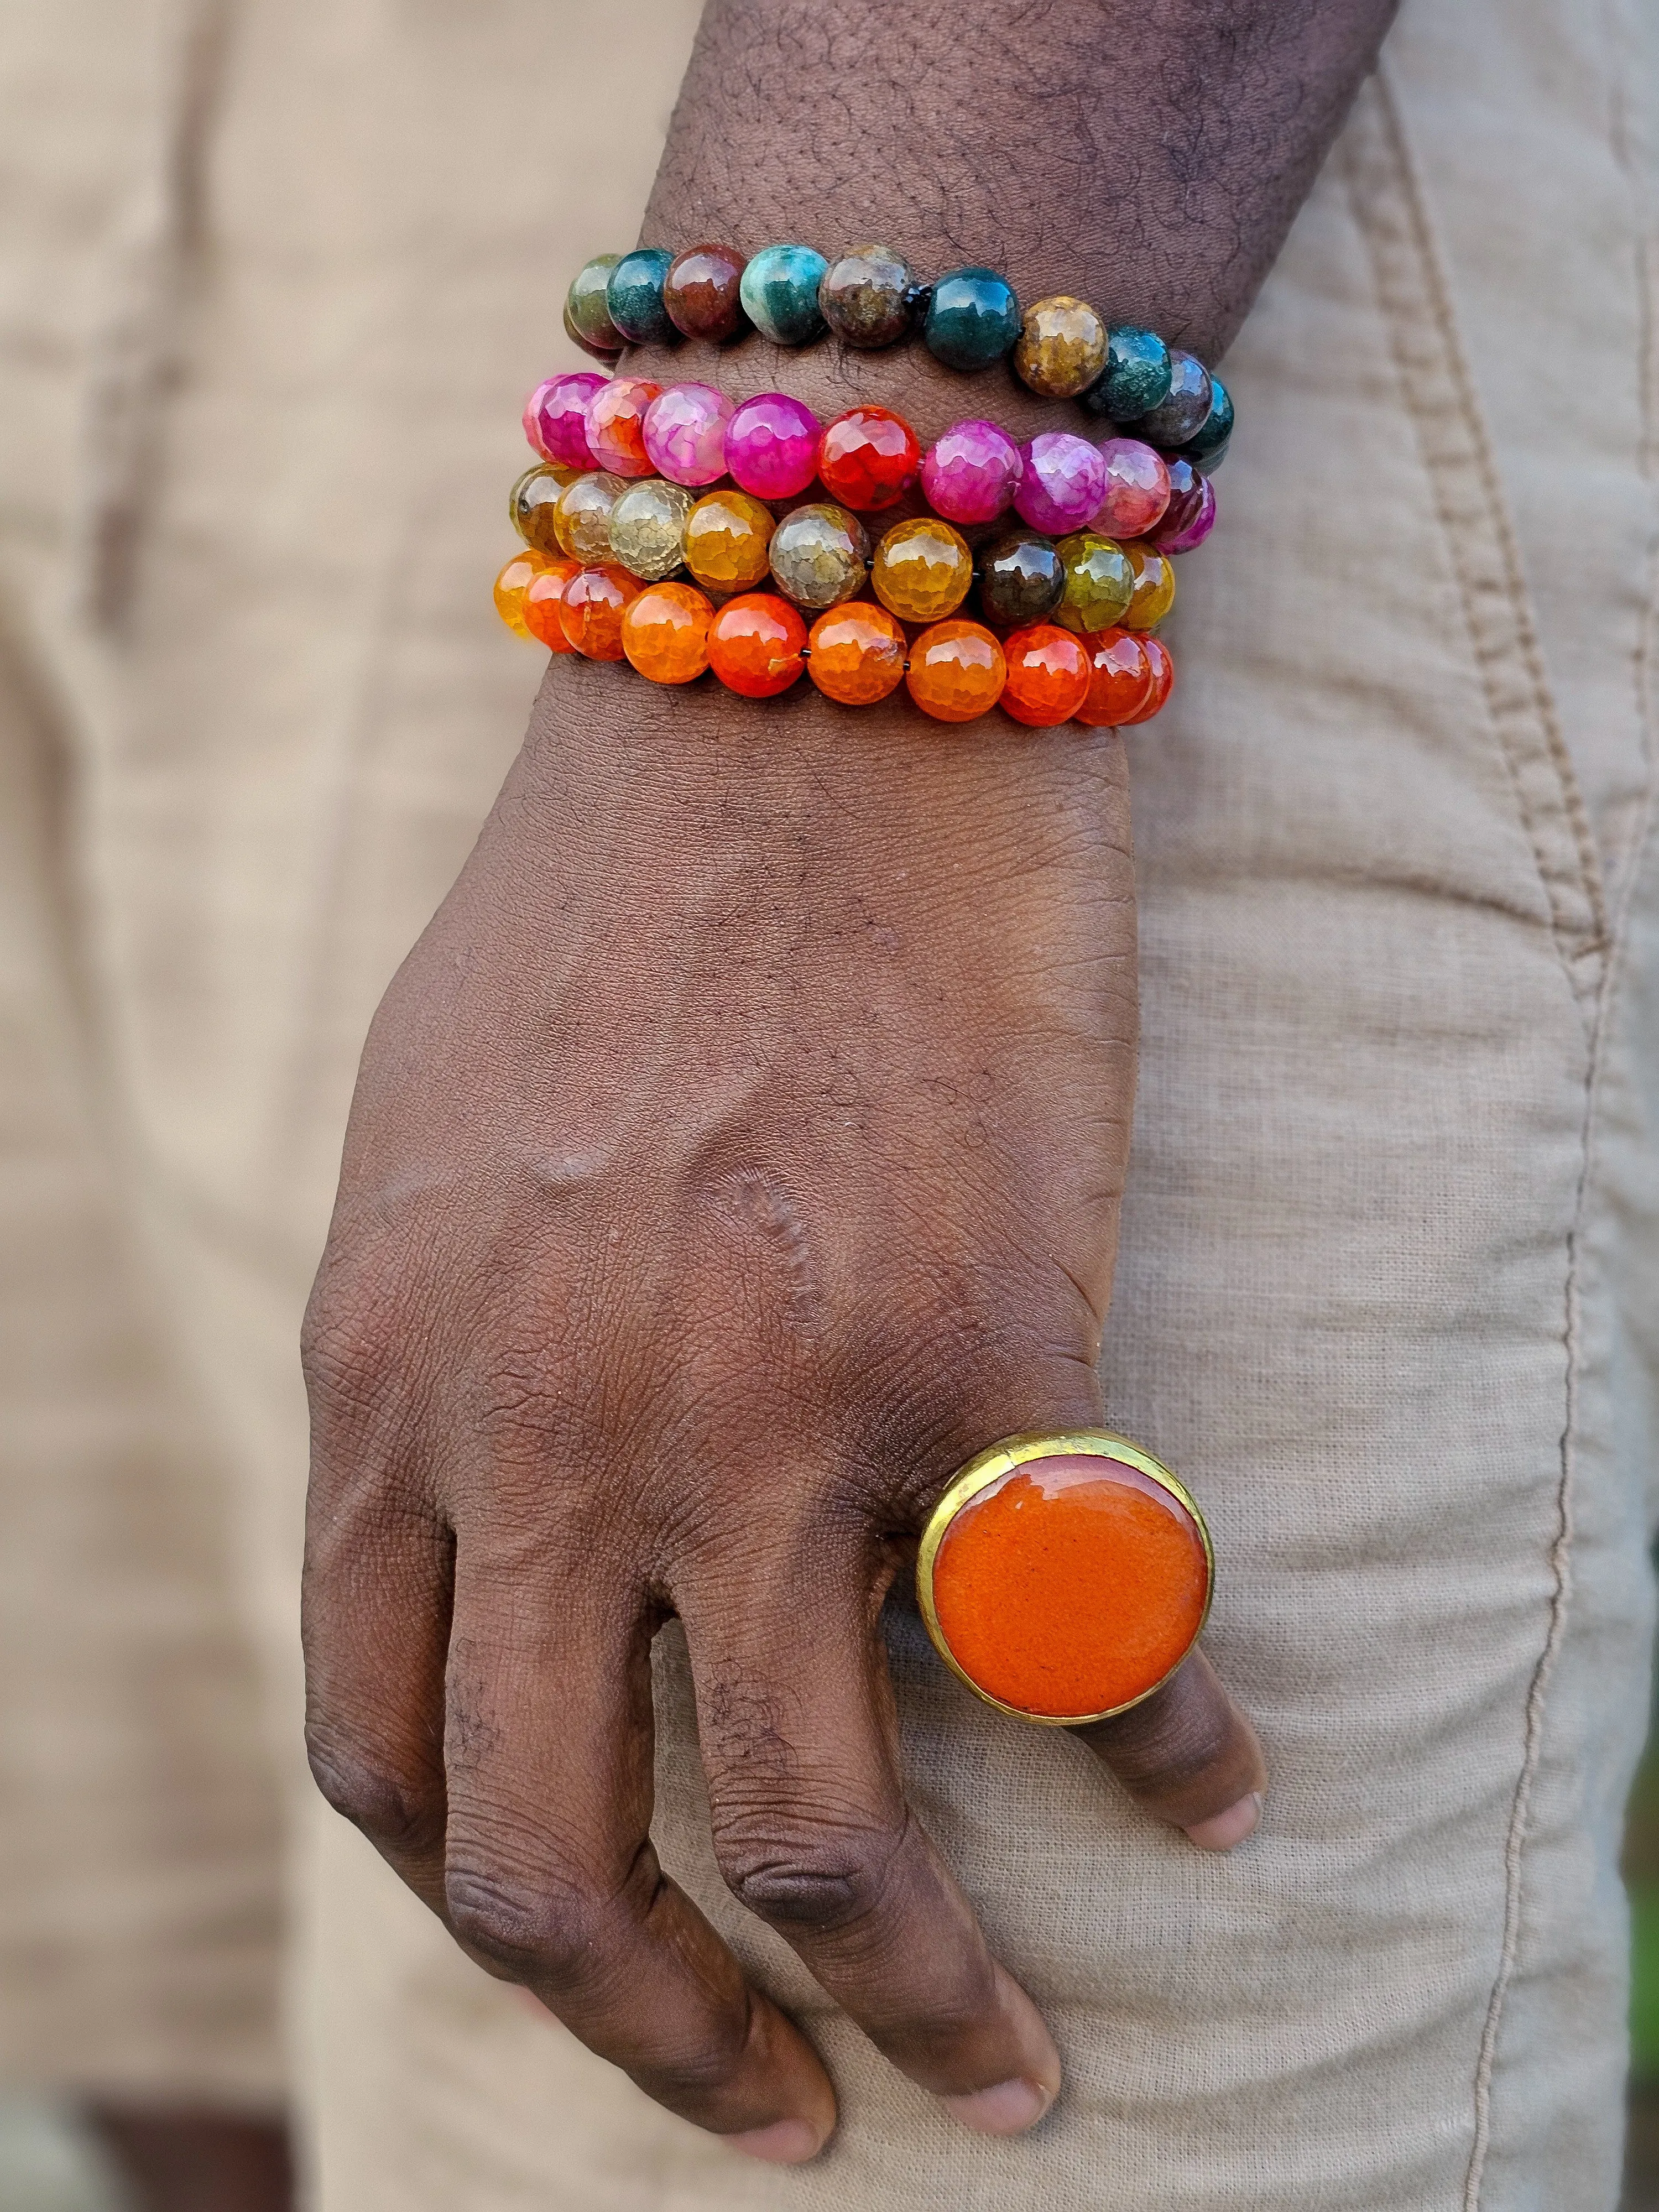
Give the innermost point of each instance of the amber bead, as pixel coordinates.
(869, 297)
(1100, 581)
(1184, 414)
(703, 293)
(588, 311)
(1061, 348)
(818, 554)
(957, 671)
(1049, 675)
(755, 644)
(1121, 680)
(511, 584)
(1021, 578)
(582, 515)
(868, 458)
(922, 570)
(533, 506)
(664, 633)
(543, 601)
(592, 609)
(728, 537)
(857, 653)
(647, 528)
(1154, 588)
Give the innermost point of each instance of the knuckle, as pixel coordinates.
(400, 1810)
(817, 1873)
(542, 1931)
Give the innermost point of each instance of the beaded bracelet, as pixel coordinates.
(1062, 348)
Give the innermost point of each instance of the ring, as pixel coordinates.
(1064, 1578)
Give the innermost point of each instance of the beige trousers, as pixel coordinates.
(273, 279)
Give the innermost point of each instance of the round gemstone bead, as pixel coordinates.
(1136, 377)
(972, 472)
(1162, 678)
(703, 293)
(1062, 483)
(559, 429)
(780, 293)
(755, 644)
(616, 425)
(543, 601)
(1100, 581)
(868, 296)
(581, 520)
(1137, 489)
(818, 554)
(647, 528)
(1190, 516)
(1154, 588)
(1061, 349)
(533, 506)
(868, 458)
(591, 611)
(857, 653)
(728, 540)
(1184, 413)
(922, 570)
(633, 296)
(1120, 680)
(685, 433)
(772, 445)
(957, 671)
(973, 317)
(531, 419)
(1049, 675)
(1212, 432)
(1021, 579)
(664, 633)
(511, 584)
(587, 307)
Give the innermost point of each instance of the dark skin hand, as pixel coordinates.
(740, 1148)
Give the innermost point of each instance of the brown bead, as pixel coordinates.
(869, 296)
(701, 293)
(1061, 349)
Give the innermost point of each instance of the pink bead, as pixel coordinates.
(1137, 490)
(685, 433)
(1063, 483)
(972, 472)
(772, 445)
(555, 418)
(1189, 517)
(616, 425)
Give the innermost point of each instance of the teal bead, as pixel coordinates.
(1136, 377)
(634, 296)
(780, 293)
(1209, 441)
(973, 319)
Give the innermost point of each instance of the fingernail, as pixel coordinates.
(1223, 1830)
(1006, 2110)
(785, 2142)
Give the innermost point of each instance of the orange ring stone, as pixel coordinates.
(543, 600)
(1070, 1586)
(664, 633)
(511, 584)
(1122, 680)
(1162, 679)
(592, 609)
(857, 653)
(755, 644)
(957, 671)
(1049, 675)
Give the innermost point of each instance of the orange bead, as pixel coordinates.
(592, 610)
(513, 581)
(957, 671)
(1155, 588)
(857, 653)
(664, 633)
(1049, 675)
(543, 601)
(1162, 679)
(755, 644)
(1120, 680)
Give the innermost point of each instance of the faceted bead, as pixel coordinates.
(556, 420)
(592, 610)
(543, 601)
(1063, 481)
(1021, 579)
(973, 317)
(1154, 591)
(780, 293)
(755, 644)
(772, 445)
(1162, 678)
(1217, 427)
(1185, 412)
(957, 671)
(533, 506)
(1137, 489)
(685, 433)
(922, 570)
(1100, 581)
(819, 554)
(1136, 377)
(587, 310)
(868, 297)
(868, 458)
(1049, 675)
(634, 296)
(728, 536)
(1121, 680)
(1190, 516)
(511, 584)
(857, 653)
(647, 528)
(1062, 347)
(972, 472)
(582, 518)
(531, 420)
(702, 293)
(616, 425)
(664, 633)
